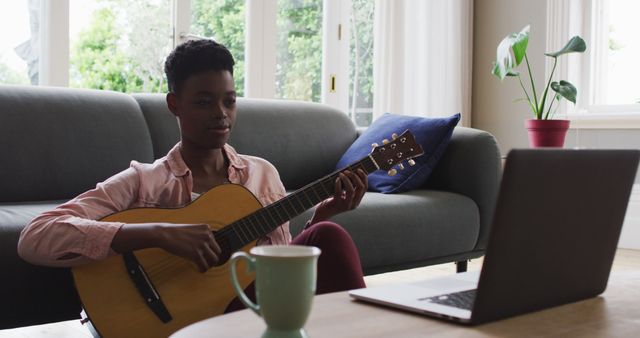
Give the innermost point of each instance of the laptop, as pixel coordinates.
(554, 235)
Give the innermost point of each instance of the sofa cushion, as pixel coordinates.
(433, 134)
(59, 142)
(397, 231)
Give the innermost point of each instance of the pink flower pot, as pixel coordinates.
(547, 133)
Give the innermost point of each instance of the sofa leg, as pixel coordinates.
(461, 266)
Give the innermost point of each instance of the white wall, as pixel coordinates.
(615, 138)
(630, 236)
(493, 106)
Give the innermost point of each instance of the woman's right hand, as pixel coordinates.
(194, 242)
(191, 241)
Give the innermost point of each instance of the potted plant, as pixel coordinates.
(544, 131)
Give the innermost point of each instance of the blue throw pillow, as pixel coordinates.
(433, 134)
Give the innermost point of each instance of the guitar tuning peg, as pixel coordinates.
(385, 141)
(392, 172)
(394, 136)
(401, 166)
(412, 162)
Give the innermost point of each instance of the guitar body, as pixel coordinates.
(117, 309)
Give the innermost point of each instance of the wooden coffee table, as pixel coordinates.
(615, 313)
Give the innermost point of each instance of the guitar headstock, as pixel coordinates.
(391, 153)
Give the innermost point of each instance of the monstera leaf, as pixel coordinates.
(575, 45)
(565, 89)
(512, 50)
(510, 53)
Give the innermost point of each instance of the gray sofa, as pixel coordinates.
(57, 143)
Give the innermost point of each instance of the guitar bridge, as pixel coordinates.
(145, 288)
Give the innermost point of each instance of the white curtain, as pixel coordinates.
(423, 57)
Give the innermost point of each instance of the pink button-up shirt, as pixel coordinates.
(73, 229)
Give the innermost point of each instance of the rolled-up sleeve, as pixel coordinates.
(71, 234)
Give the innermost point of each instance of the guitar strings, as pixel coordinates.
(228, 233)
(225, 235)
(327, 180)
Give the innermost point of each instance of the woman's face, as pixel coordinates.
(206, 108)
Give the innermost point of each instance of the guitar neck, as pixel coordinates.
(267, 219)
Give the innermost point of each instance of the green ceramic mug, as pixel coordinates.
(285, 285)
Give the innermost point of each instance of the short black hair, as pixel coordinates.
(195, 56)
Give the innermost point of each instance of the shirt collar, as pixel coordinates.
(234, 160)
(179, 167)
(176, 162)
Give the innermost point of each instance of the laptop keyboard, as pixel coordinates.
(462, 299)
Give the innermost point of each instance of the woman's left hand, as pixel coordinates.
(349, 189)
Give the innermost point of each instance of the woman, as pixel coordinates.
(202, 96)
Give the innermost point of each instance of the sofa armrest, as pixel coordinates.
(471, 166)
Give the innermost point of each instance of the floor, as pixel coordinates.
(626, 260)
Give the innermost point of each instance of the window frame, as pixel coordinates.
(260, 47)
(335, 57)
(587, 18)
(54, 43)
(261, 31)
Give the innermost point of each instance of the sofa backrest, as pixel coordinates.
(303, 140)
(59, 142)
(162, 124)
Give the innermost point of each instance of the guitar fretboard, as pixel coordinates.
(263, 221)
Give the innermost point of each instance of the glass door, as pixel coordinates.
(361, 62)
(19, 43)
(224, 21)
(119, 45)
(299, 50)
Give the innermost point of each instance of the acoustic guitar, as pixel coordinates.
(152, 293)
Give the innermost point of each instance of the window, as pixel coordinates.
(361, 62)
(119, 45)
(310, 50)
(620, 48)
(223, 20)
(299, 50)
(605, 75)
(19, 43)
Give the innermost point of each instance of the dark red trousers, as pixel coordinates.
(339, 266)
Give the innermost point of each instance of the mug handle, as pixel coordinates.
(234, 279)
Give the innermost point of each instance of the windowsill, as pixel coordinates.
(605, 121)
